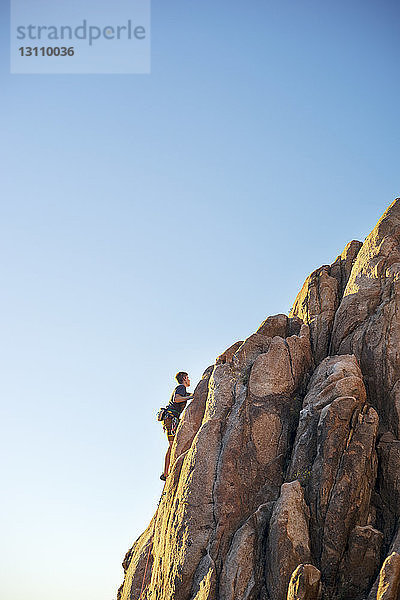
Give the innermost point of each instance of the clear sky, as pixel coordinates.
(147, 222)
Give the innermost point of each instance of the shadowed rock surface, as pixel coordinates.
(285, 470)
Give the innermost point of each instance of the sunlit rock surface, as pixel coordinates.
(285, 470)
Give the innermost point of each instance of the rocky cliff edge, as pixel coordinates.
(285, 478)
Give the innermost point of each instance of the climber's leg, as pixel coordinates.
(167, 458)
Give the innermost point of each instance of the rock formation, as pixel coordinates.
(285, 470)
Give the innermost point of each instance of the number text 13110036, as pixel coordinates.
(46, 51)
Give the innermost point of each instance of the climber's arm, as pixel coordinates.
(179, 398)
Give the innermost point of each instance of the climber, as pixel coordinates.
(174, 409)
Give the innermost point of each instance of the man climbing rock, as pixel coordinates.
(177, 403)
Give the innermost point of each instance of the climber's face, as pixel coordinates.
(186, 381)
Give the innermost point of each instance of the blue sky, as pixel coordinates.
(148, 222)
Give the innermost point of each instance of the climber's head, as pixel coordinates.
(183, 378)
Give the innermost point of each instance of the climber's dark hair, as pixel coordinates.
(180, 376)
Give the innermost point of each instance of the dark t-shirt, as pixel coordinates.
(178, 407)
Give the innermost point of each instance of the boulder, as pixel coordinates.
(305, 583)
(288, 539)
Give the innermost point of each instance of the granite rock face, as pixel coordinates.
(305, 583)
(285, 470)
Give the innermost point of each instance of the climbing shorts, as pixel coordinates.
(170, 426)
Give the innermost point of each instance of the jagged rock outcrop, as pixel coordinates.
(320, 296)
(288, 540)
(367, 322)
(305, 583)
(389, 578)
(285, 470)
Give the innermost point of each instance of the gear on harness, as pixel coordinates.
(167, 414)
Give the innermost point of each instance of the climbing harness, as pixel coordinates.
(169, 416)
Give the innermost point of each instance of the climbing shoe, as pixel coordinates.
(162, 477)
